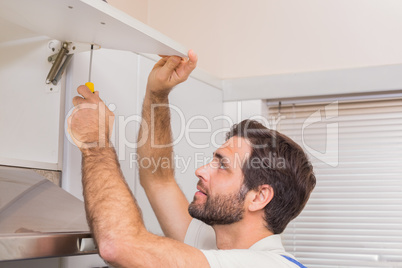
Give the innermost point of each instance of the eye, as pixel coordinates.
(222, 165)
(220, 162)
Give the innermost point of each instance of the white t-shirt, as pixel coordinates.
(265, 253)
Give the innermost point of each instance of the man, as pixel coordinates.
(245, 199)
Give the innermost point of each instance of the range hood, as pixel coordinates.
(39, 219)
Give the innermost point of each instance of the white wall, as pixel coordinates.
(264, 37)
(135, 8)
(238, 111)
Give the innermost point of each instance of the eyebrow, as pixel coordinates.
(218, 155)
(221, 157)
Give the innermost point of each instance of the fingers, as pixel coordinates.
(84, 91)
(170, 71)
(187, 66)
(162, 61)
(193, 58)
(168, 67)
(192, 61)
(172, 63)
(77, 100)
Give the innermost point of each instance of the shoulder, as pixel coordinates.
(268, 252)
(200, 235)
(246, 258)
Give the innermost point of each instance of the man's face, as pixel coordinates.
(221, 194)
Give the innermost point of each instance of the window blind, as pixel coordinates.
(354, 215)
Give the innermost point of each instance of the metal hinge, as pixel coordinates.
(62, 57)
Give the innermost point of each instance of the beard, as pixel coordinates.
(221, 209)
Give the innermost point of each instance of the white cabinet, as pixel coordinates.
(31, 111)
(87, 21)
(115, 75)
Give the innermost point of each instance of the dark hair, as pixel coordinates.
(278, 161)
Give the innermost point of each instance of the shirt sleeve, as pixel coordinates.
(200, 235)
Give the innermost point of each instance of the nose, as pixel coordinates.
(203, 172)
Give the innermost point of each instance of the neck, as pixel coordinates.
(240, 235)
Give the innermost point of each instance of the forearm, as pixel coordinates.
(116, 221)
(155, 146)
(111, 209)
(156, 135)
(168, 72)
(167, 200)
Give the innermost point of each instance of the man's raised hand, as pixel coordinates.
(170, 71)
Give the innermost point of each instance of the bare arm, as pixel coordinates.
(167, 200)
(112, 211)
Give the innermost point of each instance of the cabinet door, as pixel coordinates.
(30, 114)
(114, 74)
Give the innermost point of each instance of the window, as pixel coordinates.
(354, 215)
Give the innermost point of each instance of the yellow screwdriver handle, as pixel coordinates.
(91, 86)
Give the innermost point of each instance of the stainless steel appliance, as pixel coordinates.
(39, 219)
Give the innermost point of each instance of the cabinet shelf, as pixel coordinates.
(85, 21)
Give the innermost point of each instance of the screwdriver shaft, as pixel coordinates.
(90, 63)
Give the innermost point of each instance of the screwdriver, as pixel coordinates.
(89, 84)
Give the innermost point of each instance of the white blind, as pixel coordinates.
(354, 215)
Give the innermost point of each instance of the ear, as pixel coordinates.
(261, 197)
